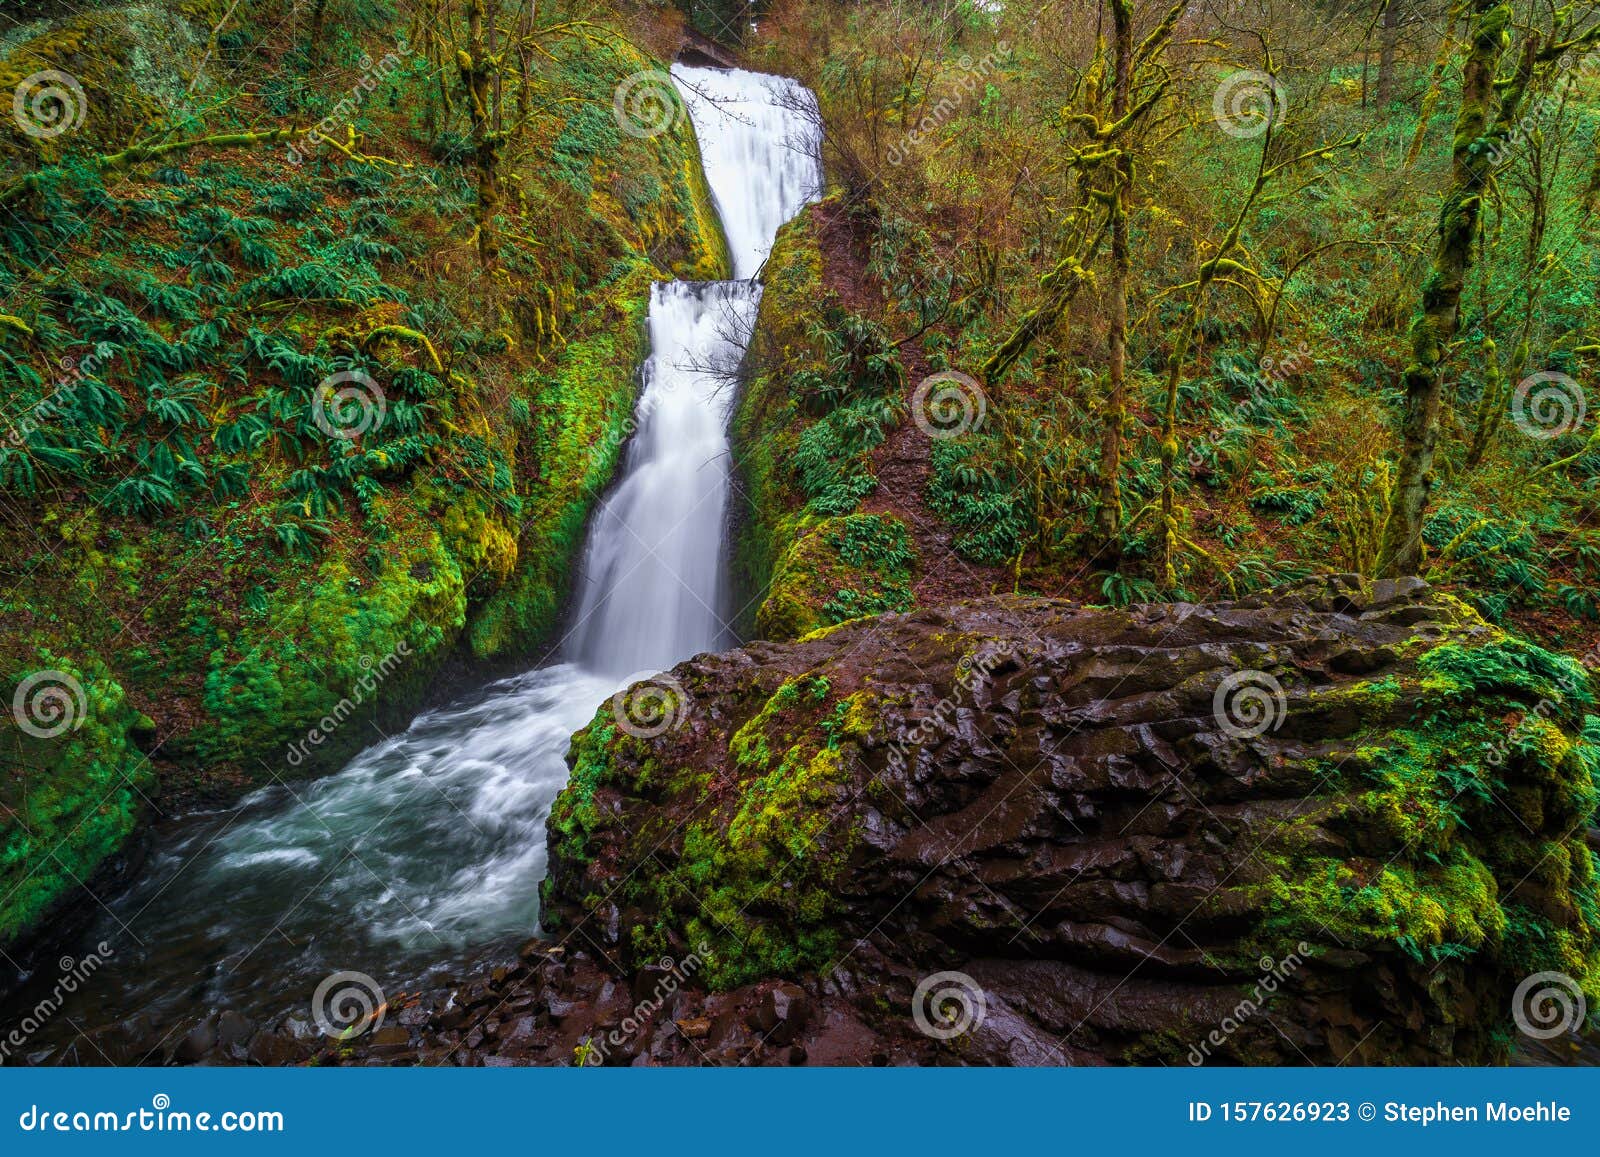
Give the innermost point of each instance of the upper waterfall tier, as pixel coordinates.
(760, 144)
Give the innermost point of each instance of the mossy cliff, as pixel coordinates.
(807, 556)
(1363, 802)
(277, 443)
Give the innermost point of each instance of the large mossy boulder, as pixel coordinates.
(1336, 823)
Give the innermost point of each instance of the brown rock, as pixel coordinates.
(695, 1027)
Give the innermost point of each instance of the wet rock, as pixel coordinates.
(695, 1027)
(1094, 827)
(274, 1050)
(195, 1044)
(781, 1013)
(560, 1008)
(414, 1016)
(234, 1031)
(390, 1040)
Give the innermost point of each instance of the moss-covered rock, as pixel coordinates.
(838, 569)
(768, 423)
(1365, 794)
(75, 783)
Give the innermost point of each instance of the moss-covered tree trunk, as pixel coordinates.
(478, 66)
(1591, 195)
(1108, 517)
(1436, 324)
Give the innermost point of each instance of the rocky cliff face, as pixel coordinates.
(1331, 824)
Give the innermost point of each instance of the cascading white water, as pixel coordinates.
(652, 587)
(433, 841)
(760, 145)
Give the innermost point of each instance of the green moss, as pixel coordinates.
(755, 880)
(1448, 819)
(79, 794)
(574, 814)
(582, 418)
(768, 423)
(1420, 908)
(836, 570)
(764, 879)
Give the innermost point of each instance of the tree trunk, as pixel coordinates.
(314, 44)
(1591, 195)
(1388, 42)
(1435, 325)
(477, 69)
(1108, 518)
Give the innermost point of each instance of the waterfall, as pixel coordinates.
(429, 845)
(652, 590)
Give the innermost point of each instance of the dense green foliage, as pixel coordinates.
(957, 139)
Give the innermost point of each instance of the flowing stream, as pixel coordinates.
(426, 851)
